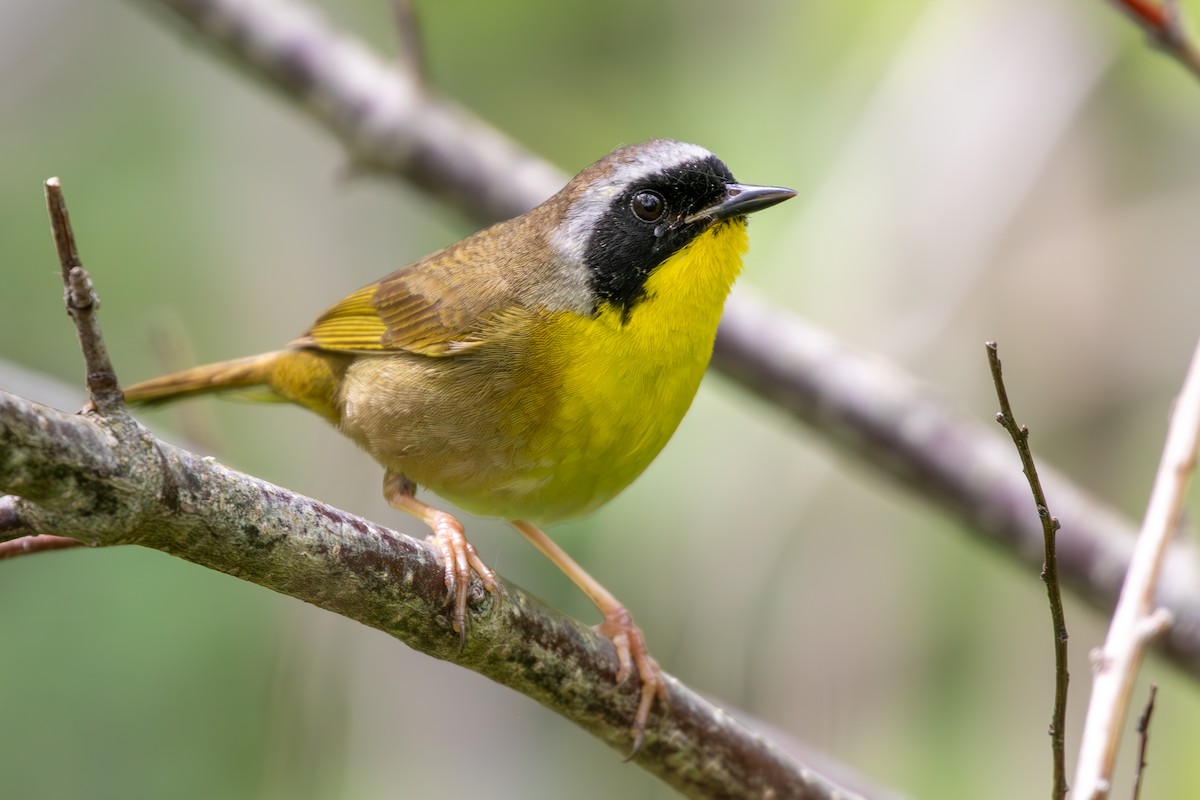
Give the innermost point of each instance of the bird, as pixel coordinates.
(532, 370)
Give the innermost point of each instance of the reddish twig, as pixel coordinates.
(27, 545)
(1164, 24)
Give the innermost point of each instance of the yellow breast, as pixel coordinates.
(623, 383)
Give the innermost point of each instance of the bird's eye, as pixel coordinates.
(648, 206)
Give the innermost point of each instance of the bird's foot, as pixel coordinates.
(459, 560)
(632, 652)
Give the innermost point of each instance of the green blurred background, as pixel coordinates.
(993, 169)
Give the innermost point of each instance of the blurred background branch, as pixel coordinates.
(380, 111)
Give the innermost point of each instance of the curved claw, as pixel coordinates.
(459, 559)
(632, 652)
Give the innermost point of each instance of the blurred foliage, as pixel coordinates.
(1005, 170)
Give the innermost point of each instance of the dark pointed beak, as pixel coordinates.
(740, 200)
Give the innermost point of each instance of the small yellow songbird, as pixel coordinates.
(533, 370)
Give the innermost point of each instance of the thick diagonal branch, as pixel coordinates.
(76, 478)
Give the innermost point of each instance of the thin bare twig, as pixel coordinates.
(1049, 574)
(1143, 732)
(1136, 620)
(82, 303)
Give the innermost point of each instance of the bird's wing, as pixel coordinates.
(446, 303)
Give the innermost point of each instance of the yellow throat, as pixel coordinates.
(627, 381)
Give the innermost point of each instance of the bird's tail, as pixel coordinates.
(249, 373)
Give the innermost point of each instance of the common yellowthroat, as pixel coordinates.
(533, 370)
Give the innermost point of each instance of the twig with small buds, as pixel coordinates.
(1050, 526)
(82, 303)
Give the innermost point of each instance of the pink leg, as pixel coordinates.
(618, 626)
(458, 555)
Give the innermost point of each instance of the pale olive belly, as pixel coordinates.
(504, 437)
